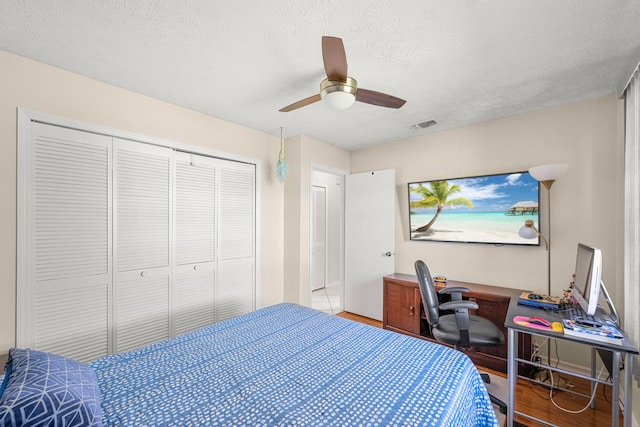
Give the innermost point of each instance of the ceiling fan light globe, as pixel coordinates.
(339, 95)
(339, 100)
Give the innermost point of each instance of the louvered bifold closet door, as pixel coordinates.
(236, 239)
(142, 241)
(68, 244)
(195, 237)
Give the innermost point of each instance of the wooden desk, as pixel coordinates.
(403, 312)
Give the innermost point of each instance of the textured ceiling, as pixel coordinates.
(456, 62)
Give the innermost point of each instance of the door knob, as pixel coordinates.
(388, 254)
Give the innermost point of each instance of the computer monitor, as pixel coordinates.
(588, 277)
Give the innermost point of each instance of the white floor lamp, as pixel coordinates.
(547, 175)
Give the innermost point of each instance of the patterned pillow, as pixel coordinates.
(45, 389)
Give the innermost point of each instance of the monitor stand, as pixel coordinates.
(606, 355)
(613, 313)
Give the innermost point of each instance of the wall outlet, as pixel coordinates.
(535, 348)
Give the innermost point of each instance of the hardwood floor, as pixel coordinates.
(534, 399)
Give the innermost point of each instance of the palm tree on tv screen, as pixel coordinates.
(437, 195)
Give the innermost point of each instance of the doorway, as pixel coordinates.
(319, 238)
(327, 241)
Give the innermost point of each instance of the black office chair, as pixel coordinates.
(461, 329)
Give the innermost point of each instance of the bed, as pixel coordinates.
(283, 365)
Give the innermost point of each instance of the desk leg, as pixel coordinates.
(628, 374)
(512, 373)
(615, 392)
(593, 375)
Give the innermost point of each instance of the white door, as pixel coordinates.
(318, 238)
(142, 218)
(64, 241)
(194, 284)
(369, 239)
(121, 243)
(236, 239)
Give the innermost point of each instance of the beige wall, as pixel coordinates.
(304, 153)
(586, 202)
(39, 87)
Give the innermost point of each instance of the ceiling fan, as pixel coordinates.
(339, 90)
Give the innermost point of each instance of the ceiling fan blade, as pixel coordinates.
(335, 59)
(378, 98)
(301, 103)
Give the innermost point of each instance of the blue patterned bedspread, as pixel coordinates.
(288, 365)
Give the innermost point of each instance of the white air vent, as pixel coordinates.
(423, 125)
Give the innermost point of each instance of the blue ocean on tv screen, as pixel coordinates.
(489, 227)
(496, 221)
(495, 207)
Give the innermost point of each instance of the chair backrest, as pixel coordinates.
(428, 293)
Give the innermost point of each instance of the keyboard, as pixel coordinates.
(577, 314)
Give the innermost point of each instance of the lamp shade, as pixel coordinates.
(527, 232)
(548, 172)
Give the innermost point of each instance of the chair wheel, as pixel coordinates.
(486, 378)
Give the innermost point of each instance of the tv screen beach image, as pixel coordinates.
(481, 209)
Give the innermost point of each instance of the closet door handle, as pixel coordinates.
(143, 273)
(195, 267)
(412, 310)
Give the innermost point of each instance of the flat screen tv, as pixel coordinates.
(478, 209)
